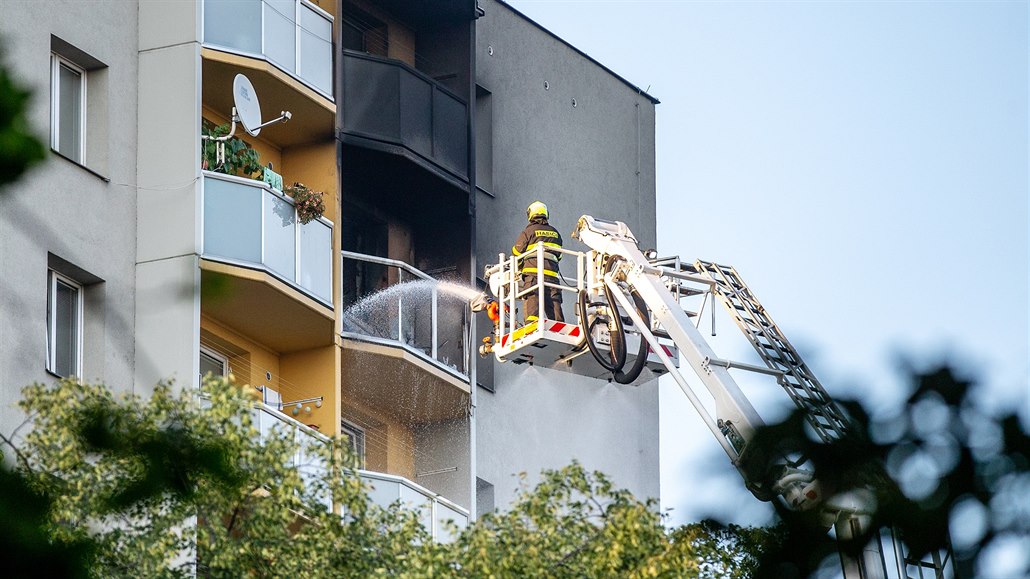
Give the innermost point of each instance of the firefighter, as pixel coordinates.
(537, 233)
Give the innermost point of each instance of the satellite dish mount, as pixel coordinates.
(247, 111)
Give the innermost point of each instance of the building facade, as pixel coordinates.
(136, 254)
(557, 126)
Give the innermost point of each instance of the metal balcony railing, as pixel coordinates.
(294, 35)
(388, 101)
(433, 509)
(310, 466)
(416, 316)
(248, 223)
(383, 489)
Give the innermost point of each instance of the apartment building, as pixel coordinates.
(429, 127)
(68, 228)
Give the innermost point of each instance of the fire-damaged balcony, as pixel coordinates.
(390, 107)
(404, 377)
(402, 313)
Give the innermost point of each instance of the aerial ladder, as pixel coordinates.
(630, 319)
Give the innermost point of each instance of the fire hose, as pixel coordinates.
(615, 359)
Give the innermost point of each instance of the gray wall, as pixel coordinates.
(442, 446)
(62, 208)
(596, 158)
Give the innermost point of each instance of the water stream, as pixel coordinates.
(404, 312)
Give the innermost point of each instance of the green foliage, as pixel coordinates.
(938, 457)
(175, 484)
(577, 524)
(151, 482)
(18, 148)
(240, 158)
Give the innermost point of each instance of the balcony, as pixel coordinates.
(309, 464)
(384, 489)
(420, 319)
(294, 35)
(390, 106)
(433, 509)
(406, 353)
(248, 223)
(277, 271)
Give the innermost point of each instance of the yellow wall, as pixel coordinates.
(312, 373)
(315, 166)
(248, 360)
(295, 376)
(389, 445)
(327, 5)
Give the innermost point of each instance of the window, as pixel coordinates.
(484, 140)
(363, 33)
(355, 436)
(68, 108)
(213, 362)
(64, 326)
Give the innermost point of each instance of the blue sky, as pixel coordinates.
(862, 164)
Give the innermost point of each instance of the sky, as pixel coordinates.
(864, 167)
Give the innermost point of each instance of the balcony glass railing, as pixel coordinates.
(417, 316)
(388, 101)
(383, 489)
(248, 223)
(433, 510)
(310, 466)
(295, 35)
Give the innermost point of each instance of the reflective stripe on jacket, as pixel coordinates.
(538, 233)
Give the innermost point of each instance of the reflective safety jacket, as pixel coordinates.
(537, 233)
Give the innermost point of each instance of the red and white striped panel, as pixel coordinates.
(563, 328)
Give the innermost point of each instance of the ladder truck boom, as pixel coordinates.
(735, 418)
(622, 297)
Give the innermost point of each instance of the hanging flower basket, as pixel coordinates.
(309, 203)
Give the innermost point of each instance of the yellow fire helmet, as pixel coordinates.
(536, 209)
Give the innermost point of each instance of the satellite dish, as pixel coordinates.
(247, 107)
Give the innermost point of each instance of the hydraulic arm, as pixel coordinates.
(622, 296)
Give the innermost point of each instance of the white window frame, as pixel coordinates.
(349, 429)
(52, 280)
(217, 356)
(56, 61)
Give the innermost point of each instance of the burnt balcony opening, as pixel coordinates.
(404, 225)
(395, 210)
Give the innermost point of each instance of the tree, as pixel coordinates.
(18, 148)
(578, 524)
(939, 462)
(178, 484)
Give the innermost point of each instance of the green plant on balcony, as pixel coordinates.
(310, 204)
(240, 158)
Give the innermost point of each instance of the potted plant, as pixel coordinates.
(240, 158)
(309, 204)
